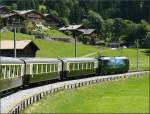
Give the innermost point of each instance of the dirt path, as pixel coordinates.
(90, 54)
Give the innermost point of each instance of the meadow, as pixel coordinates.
(50, 48)
(129, 95)
(58, 49)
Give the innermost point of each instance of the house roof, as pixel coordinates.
(87, 31)
(22, 11)
(70, 27)
(9, 44)
(2, 7)
(78, 59)
(41, 60)
(46, 14)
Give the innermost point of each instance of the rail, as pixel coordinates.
(16, 102)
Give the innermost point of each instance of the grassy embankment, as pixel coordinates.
(131, 53)
(62, 49)
(125, 96)
(53, 48)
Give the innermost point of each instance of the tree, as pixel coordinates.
(1, 23)
(27, 4)
(96, 21)
(28, 26)
(64, 21)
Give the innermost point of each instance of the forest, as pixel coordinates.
(114, 20)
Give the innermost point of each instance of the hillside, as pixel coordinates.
(131, 53)
(50, 48)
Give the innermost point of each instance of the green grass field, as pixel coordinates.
(131, 53)
(59, 49)
(124, 96)
(52, 48)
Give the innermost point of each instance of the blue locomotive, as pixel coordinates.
(22, 72)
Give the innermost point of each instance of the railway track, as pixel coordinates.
(16, 102)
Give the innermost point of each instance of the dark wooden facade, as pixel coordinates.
(9, 16)
(8, 19)
(51, 20)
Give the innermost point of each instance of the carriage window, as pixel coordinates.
(7, 72)
(2, 71)
(75, 66)
(39, 68)
(52, 67)
(10, 71)
(34, 68)
(80, 65)
(13, 71)
(84, 65)
(48, 68)
(92, 65)
(19, 70)
(44, 68)
(16, 71)
(56, 67)
(71, 66)
(88, 65)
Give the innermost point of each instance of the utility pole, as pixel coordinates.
(137, 47)
(14, 30)
(74, 29)
(15, 25)
(75, 50)
(0, 38)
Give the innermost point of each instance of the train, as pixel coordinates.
(18, 73)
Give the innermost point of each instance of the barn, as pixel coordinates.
(24, 48)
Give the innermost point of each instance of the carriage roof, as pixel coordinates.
(40, 60)
(10, 60)
(109, 58)
(78, 59)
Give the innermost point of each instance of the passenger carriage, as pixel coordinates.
(41, 69)
(11, 73)
(73, 67)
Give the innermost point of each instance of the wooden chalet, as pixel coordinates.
(24, 48)
(51, 20)
(32, 15)
(8, 16)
